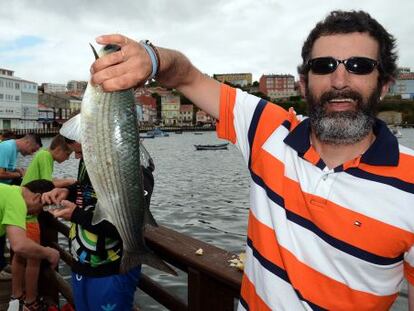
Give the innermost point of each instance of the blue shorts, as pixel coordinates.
(115, 292)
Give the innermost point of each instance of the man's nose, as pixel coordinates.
(340, 77)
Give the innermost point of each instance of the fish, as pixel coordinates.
(111, 151)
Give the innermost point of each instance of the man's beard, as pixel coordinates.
(342, 127)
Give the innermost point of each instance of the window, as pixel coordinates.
(1, 96)
(17, 86)
(17, 97)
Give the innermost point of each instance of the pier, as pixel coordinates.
(212, 283)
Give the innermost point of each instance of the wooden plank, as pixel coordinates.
(179, 248)
(160, 294)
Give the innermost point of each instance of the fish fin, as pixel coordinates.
(149, 219)
(133, 259)
(94, 52)
(99, 215)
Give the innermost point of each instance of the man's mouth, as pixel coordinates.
(341, 104)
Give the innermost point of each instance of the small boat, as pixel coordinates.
(146, 136)
(198, 133)
(178, 132)
(158, 133)
(396, 132)
(212, 147)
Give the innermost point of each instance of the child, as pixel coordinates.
(15, 203)
(41, 167)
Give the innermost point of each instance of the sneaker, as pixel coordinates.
(15, 304)
(37, 305)
(5, 276)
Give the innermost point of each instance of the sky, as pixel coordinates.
(48, 40)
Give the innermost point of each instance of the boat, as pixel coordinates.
(198, 133)
(178, 131)
(212, 147)
(396, 132)
(157, 132)
(146, 136)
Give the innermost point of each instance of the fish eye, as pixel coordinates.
(112, 47)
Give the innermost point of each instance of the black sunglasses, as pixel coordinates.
(356, 65)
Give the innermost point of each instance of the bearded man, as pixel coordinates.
(331, 223)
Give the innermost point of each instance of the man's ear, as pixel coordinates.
(385, 88)
(302, 85)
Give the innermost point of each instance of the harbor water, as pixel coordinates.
(203, 194)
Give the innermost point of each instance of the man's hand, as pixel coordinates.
(52, 256)
(127, 68)
(55, 196)
(66, 211)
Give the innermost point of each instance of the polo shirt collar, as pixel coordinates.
(383, 152)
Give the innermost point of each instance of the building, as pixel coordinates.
(237, 79)
(76, 87)
(46, 116)
(61, 105)
(148, 107)
(170, 109)
(18, 102)
(53, 88)
(277, 86)
(202, 118)
(404, 84)
(186, 114)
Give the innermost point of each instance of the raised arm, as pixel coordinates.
(131, 67)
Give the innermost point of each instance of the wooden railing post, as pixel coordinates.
(206, 293)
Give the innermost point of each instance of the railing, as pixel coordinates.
(212, 283)
(40, 131)
(55, 130)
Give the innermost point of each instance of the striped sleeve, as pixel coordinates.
(241, 114)
(409, 265)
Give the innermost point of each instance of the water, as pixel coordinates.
(200, 193)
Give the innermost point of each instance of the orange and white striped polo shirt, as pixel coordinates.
(319, 238)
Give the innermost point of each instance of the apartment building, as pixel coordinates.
(404, 84)
(53, 87)
(238, 79)
(75, 87)
(170, 109)
(277, 86)
(18, 101)
(186, 114)
(148, 106)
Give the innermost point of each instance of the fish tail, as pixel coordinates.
(133, 259)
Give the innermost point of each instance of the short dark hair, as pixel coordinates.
(7, 134)
(344, 22)
(69, 141)
(40, 186)
(34, 138)
(59, 141)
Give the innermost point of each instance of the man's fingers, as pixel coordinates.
(113, 39)
(123, 82)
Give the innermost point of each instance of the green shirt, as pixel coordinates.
(41, 167)
(12, 208)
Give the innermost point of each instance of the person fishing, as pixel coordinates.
(15, 203)
(331, 223)
(96, 248)
(12, 175)
(26, 271)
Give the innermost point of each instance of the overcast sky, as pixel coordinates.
(47, 41)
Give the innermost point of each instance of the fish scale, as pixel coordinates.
(110, 147)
